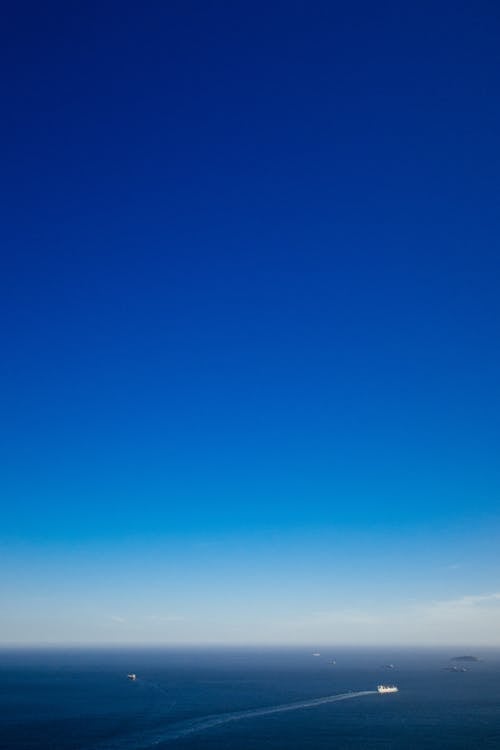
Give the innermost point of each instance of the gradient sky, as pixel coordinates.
(250, 304)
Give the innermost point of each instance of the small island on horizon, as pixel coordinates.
(465, 658)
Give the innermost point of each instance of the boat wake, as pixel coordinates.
(185, 728)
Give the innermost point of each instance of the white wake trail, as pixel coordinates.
(185, 728)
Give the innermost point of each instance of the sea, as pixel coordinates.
(247, 699)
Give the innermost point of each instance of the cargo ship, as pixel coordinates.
(387, 689)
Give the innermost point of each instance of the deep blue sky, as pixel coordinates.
(250, 305)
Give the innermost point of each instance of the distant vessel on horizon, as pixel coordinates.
(132, 676)
(316, 653)
(387, 689)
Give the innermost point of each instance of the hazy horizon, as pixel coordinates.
(324, 650)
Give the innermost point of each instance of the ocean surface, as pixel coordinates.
(247, 699)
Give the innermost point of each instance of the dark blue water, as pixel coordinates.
(245, 699)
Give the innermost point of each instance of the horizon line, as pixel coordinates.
(211, 644)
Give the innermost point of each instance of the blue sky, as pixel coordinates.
(251, 315)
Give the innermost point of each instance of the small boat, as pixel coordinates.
(387, 689)
(316, 653)
(132, 676)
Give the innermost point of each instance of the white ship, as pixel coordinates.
(132, 676)
(387, 689)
